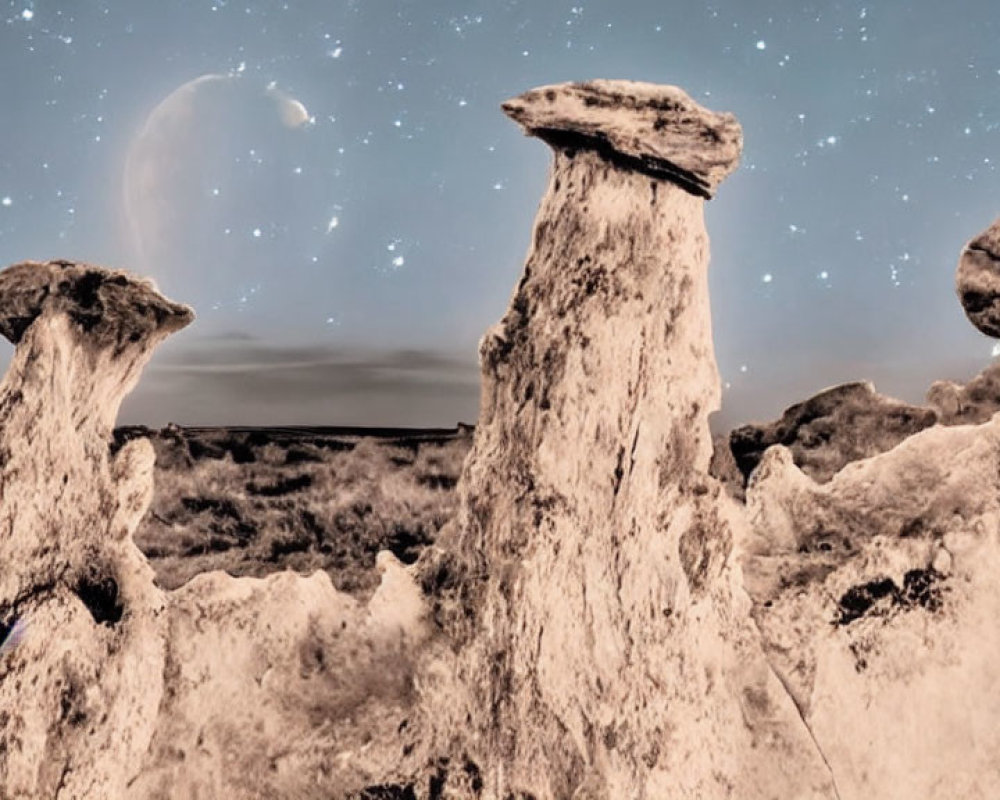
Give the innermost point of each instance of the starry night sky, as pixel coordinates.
(332, 186)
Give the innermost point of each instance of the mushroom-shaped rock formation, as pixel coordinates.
(110, 687)
(82, 675)
(831, 429)
(608, 642)
(977, 280)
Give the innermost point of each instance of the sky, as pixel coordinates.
(332, 186)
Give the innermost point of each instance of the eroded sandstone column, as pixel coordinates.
(226, 687)
(79, 694)
(612, 654)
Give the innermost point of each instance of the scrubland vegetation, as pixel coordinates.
(254, 501)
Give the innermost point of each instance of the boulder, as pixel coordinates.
(974, 402)
(977, 280)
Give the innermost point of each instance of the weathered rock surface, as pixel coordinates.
(281, 687)
(972, 403)
(872, 577)
(874, 593)
(608, 642)
(831, 429)
(977, 280)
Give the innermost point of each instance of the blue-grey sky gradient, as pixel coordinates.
(332, 186)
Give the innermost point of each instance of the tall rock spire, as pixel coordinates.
(613, 648)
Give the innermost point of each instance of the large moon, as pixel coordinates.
(208, 182)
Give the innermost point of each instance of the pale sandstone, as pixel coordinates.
(224, 688)
(601, 620)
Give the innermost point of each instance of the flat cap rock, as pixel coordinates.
(109, 307)
(977, 280)
(648, 127)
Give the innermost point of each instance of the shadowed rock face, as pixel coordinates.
(608, 646)
(977, 280)
(831, 429)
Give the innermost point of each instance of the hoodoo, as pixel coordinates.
(612, 653)
(977, 280)
(601, 620)
(113, 687)
(79, 694)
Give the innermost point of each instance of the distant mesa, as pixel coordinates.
(978, 280)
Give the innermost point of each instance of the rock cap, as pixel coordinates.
(111, 308)
(648, 127)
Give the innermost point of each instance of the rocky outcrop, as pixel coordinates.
(608, 646)
(278, 687)
(80, 691)
(852, 421)
(972, 403)
(977, 280)
(874, 589)
(831, 429)
(874, 594)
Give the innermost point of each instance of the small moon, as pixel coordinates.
(293, 113)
